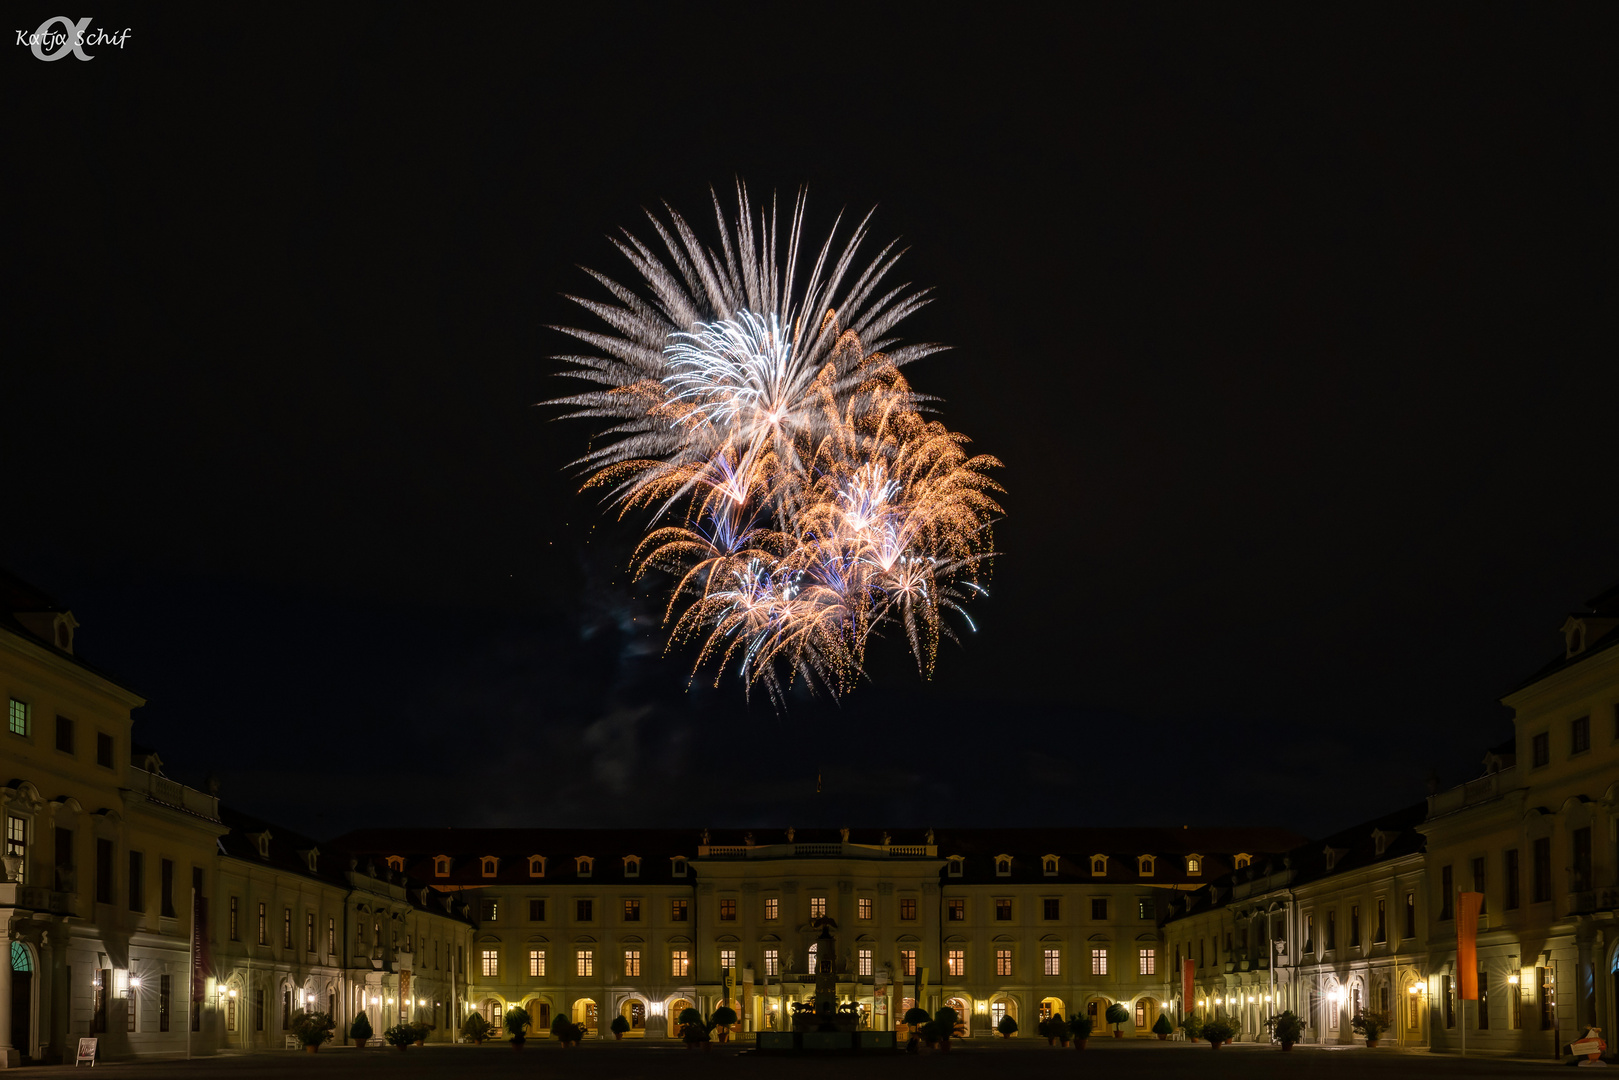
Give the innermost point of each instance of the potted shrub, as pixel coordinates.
(1118, 1013)
(1006, 1026)
(1161, 1027)
(1192, 1026)
(1079, 1029)
(693, 1032)
(517, 1022)
(566, 1031)
(723, 1018)
(360, 1030)
(1371, 1025)
(422, 1031)
(618, 1027)
(312, 1029)
(474, 1027)
(400, 1035)
(1286, 1027)
(945, 1021)
(1217, 1031)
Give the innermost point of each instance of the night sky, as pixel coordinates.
(1295, 335)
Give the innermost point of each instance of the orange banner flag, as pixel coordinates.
(1186, 985)
(1468, 906)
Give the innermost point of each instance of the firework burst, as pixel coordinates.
(798, 497)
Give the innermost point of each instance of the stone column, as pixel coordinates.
(10, 1057)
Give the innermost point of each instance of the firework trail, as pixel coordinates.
(757, 415)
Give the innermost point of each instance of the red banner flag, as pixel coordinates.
(1468, 906)
(1186, 985)
(201, 963)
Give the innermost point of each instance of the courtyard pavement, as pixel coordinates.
(966, 1059)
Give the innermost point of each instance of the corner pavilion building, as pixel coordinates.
(644, 923)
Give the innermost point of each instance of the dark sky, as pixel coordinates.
(1295, 335)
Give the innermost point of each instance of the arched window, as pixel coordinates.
(1243, 859)
(441, 866)
(1144, 865)
(1194, 865)
(583, 865)
(955, 866)
(536, 866)
(632, 866)
(490, 865)
(1003, 866)
(679, 866)
(1098, 866)
(396, 863)
(1049, 865)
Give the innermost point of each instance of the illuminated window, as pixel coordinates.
(1098, 961)
(772, 962)
(536, 963)
(907, 908)
(863, 907)
(728, 910)
(1003, 910)
(907, 962)
(497, 1013)
(536, 866)
(680, 963)
(727, 959)
(1053, 961)
(264, 926)
(772, 908)
(632, 963)
(491, 963)
(817, 907)
(1003, 962)
(1194, 866)
(309, 931)
(491, 911)
(1149, 962)
(632, 911)
(286, 928)
(955, 910)
(19, 717)
(585, 963)
(955, 963)
(677, 910)
(864, 957)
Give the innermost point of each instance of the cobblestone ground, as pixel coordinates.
(970, 1060)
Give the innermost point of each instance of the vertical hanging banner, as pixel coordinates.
(1186, 985)
(1468, 906)
(200, 965)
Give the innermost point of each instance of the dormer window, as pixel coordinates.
(312, 855)
(396, 863)
(677, 866)
(1333, 855)
(1003, 866)
(1194, 865)
(488, 866)
(1048, 866)
(261, 841)
(954, 869)
(1380, 841)
(441, 866)
(1098, 866)
(536, 866)
(583, 865)
(1144, 865)
(1243, 859)
(632, 866)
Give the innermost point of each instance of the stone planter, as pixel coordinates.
(1161, 1038)
(1286, 1046)
(1117, 1034)
(1371, 1044)
(1079, 1044)
(360, 1042)
(310, 1048)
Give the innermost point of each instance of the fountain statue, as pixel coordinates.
(824, 1013)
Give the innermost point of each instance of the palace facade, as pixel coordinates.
(110, 866)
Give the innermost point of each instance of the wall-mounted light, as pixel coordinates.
(233, 991)
(135, 981)
(1414, 991)
(983, 1006)
(1512, 979)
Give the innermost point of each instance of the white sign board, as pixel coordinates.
(87, 1052)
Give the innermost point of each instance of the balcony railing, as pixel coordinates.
(170, 793)
(38, 898)
(1592, 900)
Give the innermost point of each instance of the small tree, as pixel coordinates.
(1079, 1028)
(312, 1028)
(1217, 1031)
(517, 1024)
(1118, 1014)
(1286, 1026)
(1006, 1026)
(692, 1029)
(947, 1020)
(475, 1027)
(400, 1035)
(1370, 1024)
(916, 1016)
(1193, 1026)
(619, 1026)
(1162, 1026)
(723, 1018)
(360, 1030)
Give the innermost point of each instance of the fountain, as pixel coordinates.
(824, 1024)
